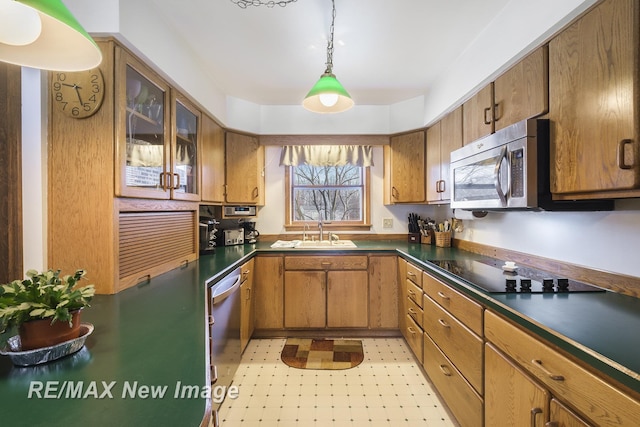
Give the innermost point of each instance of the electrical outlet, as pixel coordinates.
(387, 223)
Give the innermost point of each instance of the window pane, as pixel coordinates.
(327, 175)
(333, 193)
(343, 204)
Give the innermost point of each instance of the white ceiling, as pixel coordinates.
(385, 51)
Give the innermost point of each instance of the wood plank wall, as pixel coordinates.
(10, 174)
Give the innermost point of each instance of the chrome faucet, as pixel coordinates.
(304, 232)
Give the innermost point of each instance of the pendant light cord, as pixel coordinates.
(329, 64)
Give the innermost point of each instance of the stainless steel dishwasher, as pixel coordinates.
(224, 300)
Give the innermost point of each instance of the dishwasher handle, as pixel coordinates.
(226, 287)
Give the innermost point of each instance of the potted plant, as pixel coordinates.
(45, 308)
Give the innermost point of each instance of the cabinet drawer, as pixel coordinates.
(414, 274)
(328, 262)
(462, 346)
(464, 403)
(464, 309)
(414, 293)
(415, 312)
(413, 334)
(587, 393)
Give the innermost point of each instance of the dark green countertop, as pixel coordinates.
(153, 333)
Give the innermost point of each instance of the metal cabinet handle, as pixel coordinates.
(177, 181)
(554, 377)
(212, 321)
(412, 311)
(442, 295)
(552, 424)
(496, 109)
(487, 121)
(442, 188)
(411, 273)
(255, 193)
(410, 292)
(394, 192)
(443, 323)
(411, 330)
(534, 412)
(621, 161)
(445, 370)
(214, 374)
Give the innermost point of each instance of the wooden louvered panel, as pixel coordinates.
(152, 239)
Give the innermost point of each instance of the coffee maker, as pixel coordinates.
(250, 232)
(208, 234)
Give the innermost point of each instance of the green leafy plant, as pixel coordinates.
(41, 296)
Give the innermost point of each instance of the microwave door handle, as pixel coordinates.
(497, 175)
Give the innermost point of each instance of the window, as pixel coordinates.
(339, 195)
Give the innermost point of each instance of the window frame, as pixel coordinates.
(364, 224)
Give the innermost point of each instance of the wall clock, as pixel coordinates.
(78, 94)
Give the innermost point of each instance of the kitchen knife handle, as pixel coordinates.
(621, 160)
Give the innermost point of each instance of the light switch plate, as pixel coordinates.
(387, 223)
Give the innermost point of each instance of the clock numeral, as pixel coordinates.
(59, 97)
(61, 77)
(75, 111)
(57, 86)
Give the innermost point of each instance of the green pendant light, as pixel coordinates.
(44, 34)
(328, 95)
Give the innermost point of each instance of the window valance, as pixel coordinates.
(326, 155)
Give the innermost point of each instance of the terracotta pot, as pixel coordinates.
(41, 333)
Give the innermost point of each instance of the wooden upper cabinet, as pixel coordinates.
(522, 91)
(212, 161)
(442, 138)
(477, 115)
(593, 85)
(244, 169)
(185, 149)
(405, 169)
(143, 131)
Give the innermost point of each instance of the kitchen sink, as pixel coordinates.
(318, 244)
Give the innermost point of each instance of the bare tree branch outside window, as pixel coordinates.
(331, 193)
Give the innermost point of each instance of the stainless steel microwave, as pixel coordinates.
(232, 211)
(509, 169)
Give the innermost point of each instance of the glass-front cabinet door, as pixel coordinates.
(185, 151)
(143, 143)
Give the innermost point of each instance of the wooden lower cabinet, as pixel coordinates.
(347, 299)
(512, 398)
(563, 416)
(383, 292)
(465, 404)
(269, 292)
(594, 398)
(247, 314)
(305, 299)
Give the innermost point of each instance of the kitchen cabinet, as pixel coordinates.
(119, 241)
(383, 292)
(477, 115)
(269, 292)
(512, 397)
(212, 161)
(326, 291)
(522, 91)
(453, 335)
(593, 86)
(519, 93)
(402, 294)
(158, 135)
(595, 399)
(442, 138)
(411, 306)
(244, 173)
(404, 169)
(247, 314)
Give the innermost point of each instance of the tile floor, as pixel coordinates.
(386, 389)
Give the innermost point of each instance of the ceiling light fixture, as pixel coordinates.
(44, 34)
(328, 95)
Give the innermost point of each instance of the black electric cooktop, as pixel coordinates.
(488, 275)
